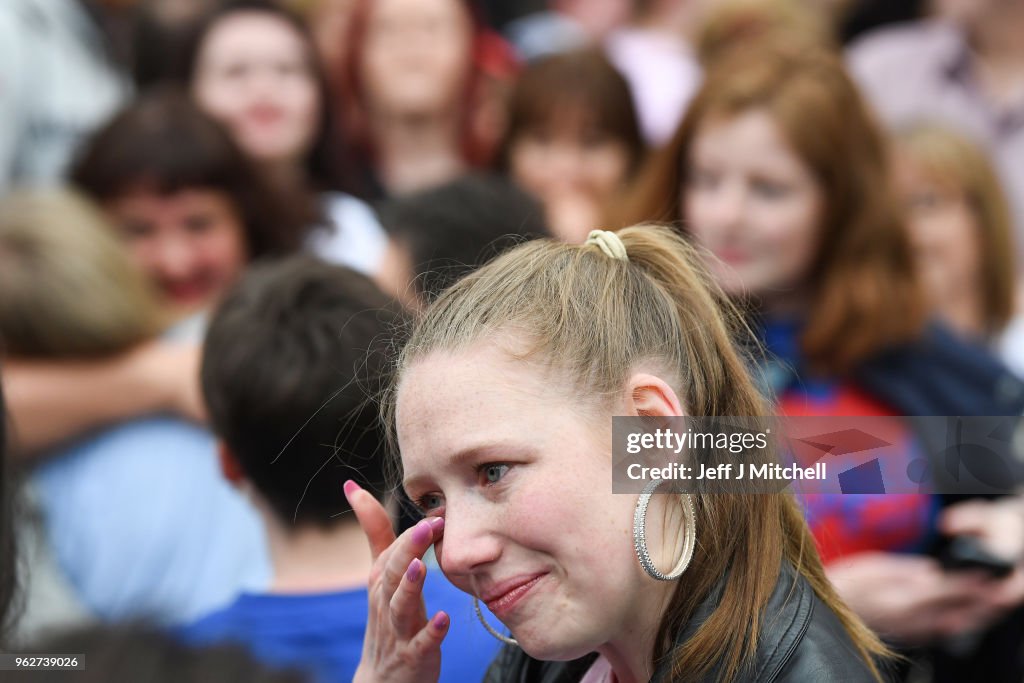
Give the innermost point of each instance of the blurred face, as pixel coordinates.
(254, 75)
(417, 55)
(754, 204)
(192, 244)
(943, 233)
(569, 160)
(522, 478)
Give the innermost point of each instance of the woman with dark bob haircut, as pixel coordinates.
(162, 168)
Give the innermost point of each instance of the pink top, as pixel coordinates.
(599, 672)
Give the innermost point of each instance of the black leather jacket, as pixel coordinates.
(801, 639)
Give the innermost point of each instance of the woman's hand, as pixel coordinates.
(999, 525)
(909, 599)
(401, 645)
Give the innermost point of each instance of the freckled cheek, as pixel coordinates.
(533, 519)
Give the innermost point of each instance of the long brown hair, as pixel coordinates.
(321, 163)
(955, 162)
(594, 319)
(862, 281)
(491, 61)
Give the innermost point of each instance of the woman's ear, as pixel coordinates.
(649, 395)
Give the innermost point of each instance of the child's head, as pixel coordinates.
(139, 652)
(439, 235)
(292, 361)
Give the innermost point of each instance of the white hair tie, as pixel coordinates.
(609, 243)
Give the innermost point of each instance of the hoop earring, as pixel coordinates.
(490, 629)
(640, 534)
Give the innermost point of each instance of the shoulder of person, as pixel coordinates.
(800, 639)
(942, 374)
(214, 627)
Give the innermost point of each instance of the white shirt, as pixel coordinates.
(1010, 345)
(354, 237)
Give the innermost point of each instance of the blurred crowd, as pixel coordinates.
(217, 218)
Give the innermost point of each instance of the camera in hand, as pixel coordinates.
(966, 553)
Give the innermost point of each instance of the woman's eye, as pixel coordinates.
(235, 70)
(292, 69)
(703, 179)
(136, 230)
(770, 189)
(430, 502)
(924, 201)
(493, 473)
(592, 140)
(198, 223)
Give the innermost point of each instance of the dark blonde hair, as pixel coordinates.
(68, 287)
(594, 319)
(956, 162)
(863, 284)
(735, 24)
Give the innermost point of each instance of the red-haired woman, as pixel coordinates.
(422, 92)
(781, 175)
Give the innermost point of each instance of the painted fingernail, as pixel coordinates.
(415, 567)
(440, 621)
(436, 524)
(421, 533)
(350, 488)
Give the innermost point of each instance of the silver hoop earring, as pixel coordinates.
(490, 629)
(640, 534)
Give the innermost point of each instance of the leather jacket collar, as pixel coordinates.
(801, 639)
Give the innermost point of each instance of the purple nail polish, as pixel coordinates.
(413, 572)
(440, 620)
(421, 532)
(437, 524)
(350, 487)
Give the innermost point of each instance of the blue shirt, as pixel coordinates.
(144, 526)
(323, 632)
